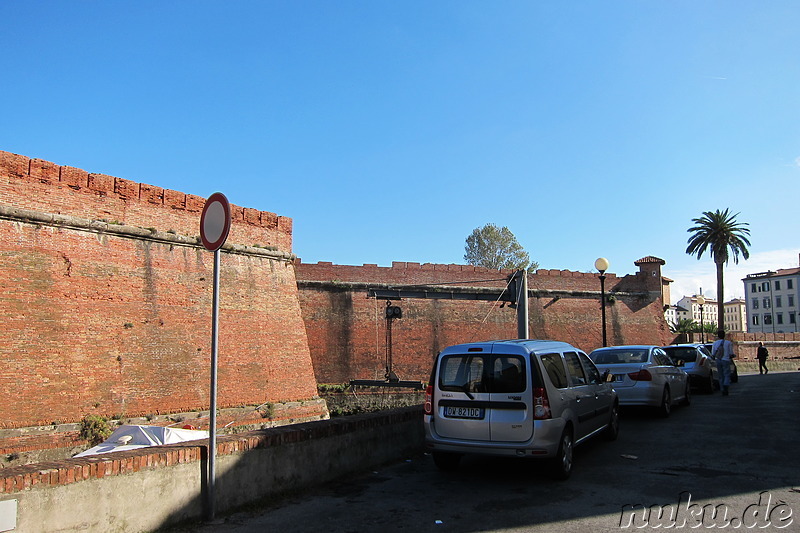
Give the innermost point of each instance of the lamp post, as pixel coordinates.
(701, 301)
(602, 265)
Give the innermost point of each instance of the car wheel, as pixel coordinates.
(687, 396)
(446, 461)
(562, 463)
(612, 430)
(666, 404)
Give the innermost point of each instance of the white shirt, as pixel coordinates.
(726, 349)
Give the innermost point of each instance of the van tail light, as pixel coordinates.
(641, 375)
(429, 400)
(541, 404)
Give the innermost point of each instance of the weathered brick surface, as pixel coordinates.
(346, 330)
(105, 322)
(47, 187)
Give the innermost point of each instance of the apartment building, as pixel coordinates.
(771, 301)
(689, 307)
(735, 315)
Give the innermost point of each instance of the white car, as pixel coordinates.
(644, 375)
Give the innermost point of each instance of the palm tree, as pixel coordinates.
(684, 325)
(720, 234)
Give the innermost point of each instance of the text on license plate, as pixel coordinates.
(463, 412)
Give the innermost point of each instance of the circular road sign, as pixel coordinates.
(215, 222)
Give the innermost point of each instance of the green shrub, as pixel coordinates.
(267, 410)
(95, 429)
(323, 388)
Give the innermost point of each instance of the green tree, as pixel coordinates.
(720, 234)
(495, 247)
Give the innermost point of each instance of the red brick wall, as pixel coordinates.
(44, 186)
(107, 322)
(346, 329)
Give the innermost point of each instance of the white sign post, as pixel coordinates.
(215, 224)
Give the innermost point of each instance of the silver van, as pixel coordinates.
(520, 398)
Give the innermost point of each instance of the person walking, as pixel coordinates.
(762, 355)
(722, 351)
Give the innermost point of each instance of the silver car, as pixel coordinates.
(696, 362)
(517, 398)
(644, 375)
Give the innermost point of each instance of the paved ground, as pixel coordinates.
(732, 452)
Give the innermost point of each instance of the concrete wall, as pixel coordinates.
(147, 489)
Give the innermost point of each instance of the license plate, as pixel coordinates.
(463, 412)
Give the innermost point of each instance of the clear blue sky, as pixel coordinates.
(390, 130)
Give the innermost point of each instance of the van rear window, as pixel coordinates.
(493, 373)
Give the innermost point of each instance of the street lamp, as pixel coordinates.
(602, 265)
(701, 301)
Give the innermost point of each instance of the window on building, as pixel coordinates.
(778, 301)
(791, 300)
(777, 284)
(789, 284)
(755, 304)
(766, 303)
(767, 320)
(753, 287)
(792, 318)
(755, 320)
(765, 286)
(779, 318)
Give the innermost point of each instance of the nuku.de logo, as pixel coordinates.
(685, 514)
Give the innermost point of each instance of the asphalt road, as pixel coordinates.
(737, 453)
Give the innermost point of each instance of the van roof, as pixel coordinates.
(528, 345)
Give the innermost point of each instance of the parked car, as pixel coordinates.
(734, 370)
(697, 363)
(644, 375)
(518, 398)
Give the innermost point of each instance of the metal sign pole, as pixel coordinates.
(215, 223)
(212, 430)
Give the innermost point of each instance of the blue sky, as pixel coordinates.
(390, 130)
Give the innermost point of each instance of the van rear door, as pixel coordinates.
(511, 398)
(462, 405)
(484, 396)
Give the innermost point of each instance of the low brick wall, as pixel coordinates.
(780, 345)
(144, 490)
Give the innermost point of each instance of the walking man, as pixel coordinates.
(762, 355)
(722, 350)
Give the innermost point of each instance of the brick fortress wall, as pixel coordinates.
(346, 329)
(106, 301)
